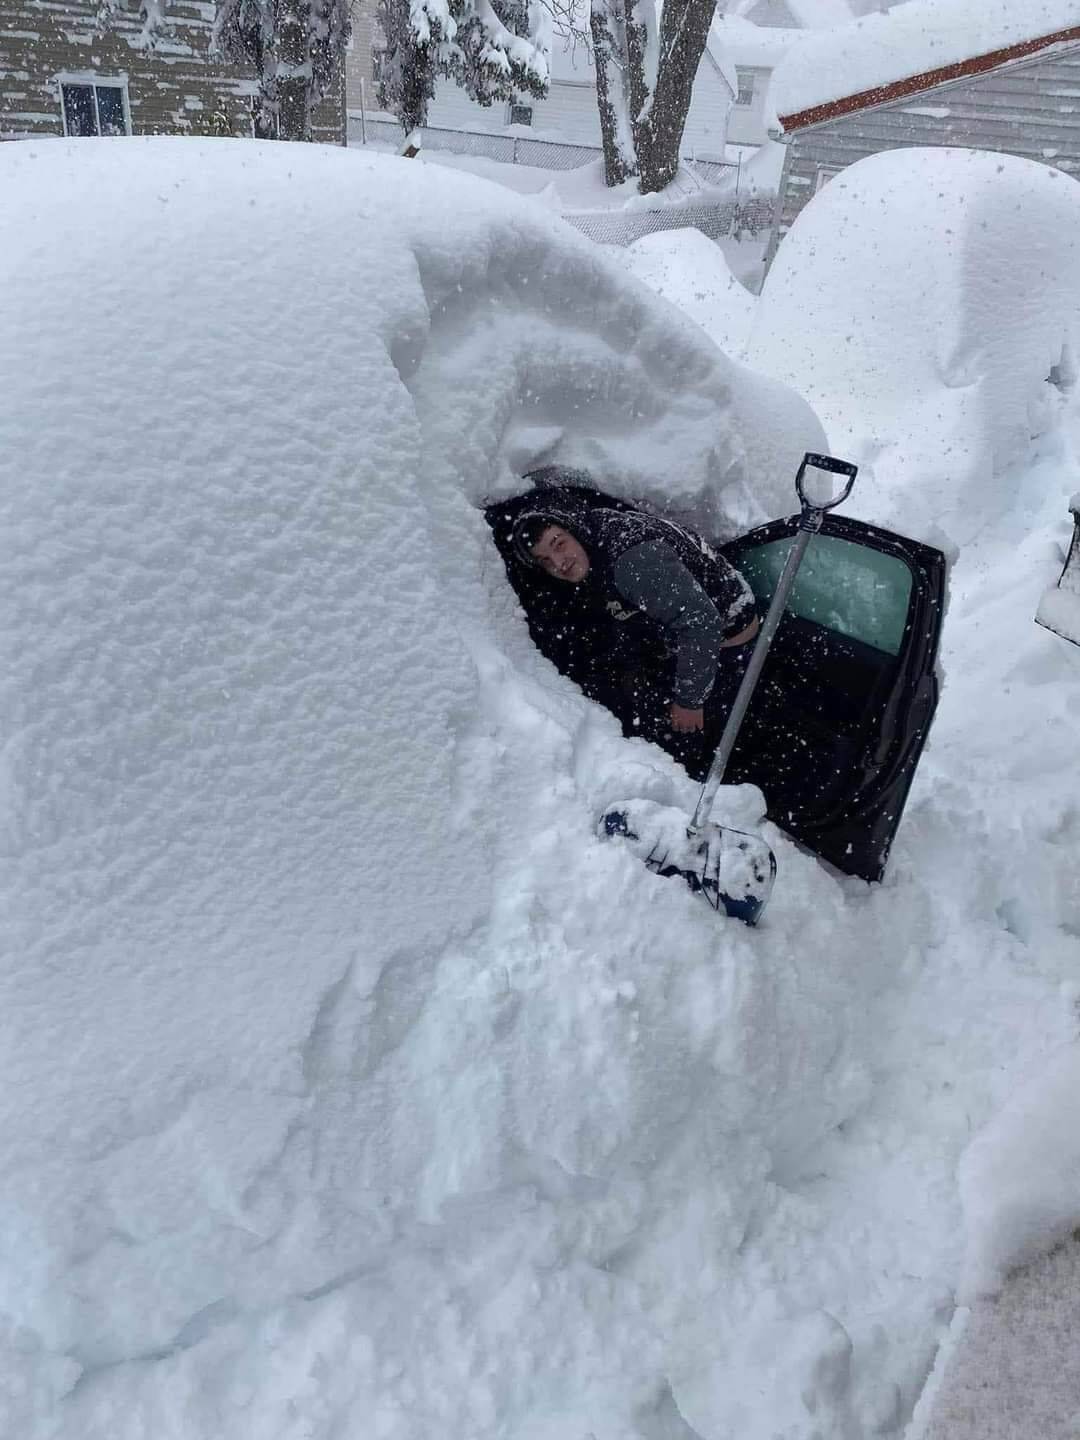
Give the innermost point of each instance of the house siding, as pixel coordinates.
(173, 85)
(568, 113)
(1031, 109)
(747, 123)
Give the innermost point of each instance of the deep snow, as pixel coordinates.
(351, 1086)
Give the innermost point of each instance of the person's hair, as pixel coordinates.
(527, 531)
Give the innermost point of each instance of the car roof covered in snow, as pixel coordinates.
(912, 49)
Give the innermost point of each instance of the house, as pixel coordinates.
(931, 72)
(568, 115)
(81, 67)
(754, 51)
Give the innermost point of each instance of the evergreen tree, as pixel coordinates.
(494, 49)
(296, 48)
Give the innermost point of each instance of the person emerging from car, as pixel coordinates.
(680, 621)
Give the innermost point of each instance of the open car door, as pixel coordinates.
(841, 713)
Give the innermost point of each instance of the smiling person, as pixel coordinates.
(682, 619)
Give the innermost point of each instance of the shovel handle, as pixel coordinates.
(809, 524)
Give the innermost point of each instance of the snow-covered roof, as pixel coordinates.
(819, 14)
(810, 14)
(911, 49)
(740, 42)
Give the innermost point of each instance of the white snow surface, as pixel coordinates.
(351, 1086)
(993, 846)
(919, 302)
(911, 39)
(1020, 1178)
(688, 268)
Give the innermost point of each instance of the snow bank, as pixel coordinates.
(690, 270)
(920, 302)
(1020, 1177)
(350, 1085)
(350, 1081)
(920, 36)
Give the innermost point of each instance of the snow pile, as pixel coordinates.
(987, 850)
(352, 1085)
(896, 307)
(690, 270)
(1020, 1179)
(912, 39)
(351, 1080)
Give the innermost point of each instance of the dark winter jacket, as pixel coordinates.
(662, 585)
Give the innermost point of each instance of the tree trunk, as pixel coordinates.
(294, 65)
(658, 129)
(607, 23)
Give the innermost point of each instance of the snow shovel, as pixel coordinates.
(1059, 608)
(730, 869)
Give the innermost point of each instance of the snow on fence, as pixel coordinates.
(509, 149)
(715, 219)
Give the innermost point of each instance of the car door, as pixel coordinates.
(844, 704)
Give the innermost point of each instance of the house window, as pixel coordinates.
(520, 114)
(745, 78)
(93, 107)
(824, 175)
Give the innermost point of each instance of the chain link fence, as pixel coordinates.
(508, 149)
(716, 219)
(726, 215)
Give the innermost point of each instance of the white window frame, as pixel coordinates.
(743, 75)
(824, 174)
(94, 79)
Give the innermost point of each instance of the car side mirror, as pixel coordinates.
(1059, 608)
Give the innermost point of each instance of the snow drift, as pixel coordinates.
(690, 270)
(920, 302)
(350, 1085)
(328, 1016)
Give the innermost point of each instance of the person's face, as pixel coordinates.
(561, 555)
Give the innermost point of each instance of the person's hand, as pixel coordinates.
(683, 721)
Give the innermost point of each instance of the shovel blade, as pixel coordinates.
(732, 871)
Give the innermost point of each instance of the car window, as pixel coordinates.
(858, 591)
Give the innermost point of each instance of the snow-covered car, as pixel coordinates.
(839, 719)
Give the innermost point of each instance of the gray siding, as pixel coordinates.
(1031, 109)
(174, 86)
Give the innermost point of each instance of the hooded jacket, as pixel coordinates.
(659, 581)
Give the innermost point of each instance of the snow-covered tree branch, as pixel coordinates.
(494, 49)
(296, 47)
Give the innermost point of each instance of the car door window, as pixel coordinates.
(861, 593)
(840, 715)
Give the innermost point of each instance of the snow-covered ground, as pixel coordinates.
(351, 1086)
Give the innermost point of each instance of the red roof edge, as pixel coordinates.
(915, 84)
